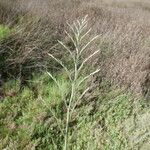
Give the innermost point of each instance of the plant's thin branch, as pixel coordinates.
(73, 41)
(83, 36)
(71, 53)
(88, 44)
(66, 69)
(91, 74)
(84, 92)
(84, 61)
(54, 79)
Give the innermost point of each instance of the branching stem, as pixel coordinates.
(78, 33)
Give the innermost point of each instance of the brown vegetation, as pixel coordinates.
(123, 26)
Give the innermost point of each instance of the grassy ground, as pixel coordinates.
(4, 31)
(107, 118)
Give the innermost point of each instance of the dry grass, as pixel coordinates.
(124, 28)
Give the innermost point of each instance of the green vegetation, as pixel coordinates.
(55, 91)
(108, 119)
(4, 31)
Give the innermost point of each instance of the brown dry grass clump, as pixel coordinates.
(123, 26)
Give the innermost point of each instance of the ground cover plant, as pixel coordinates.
(109, 118)
(4, 31)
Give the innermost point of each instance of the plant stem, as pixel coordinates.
(68, 115)
(76, 37)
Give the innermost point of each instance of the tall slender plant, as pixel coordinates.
(78, 33)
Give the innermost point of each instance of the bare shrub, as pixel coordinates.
(123, 26)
